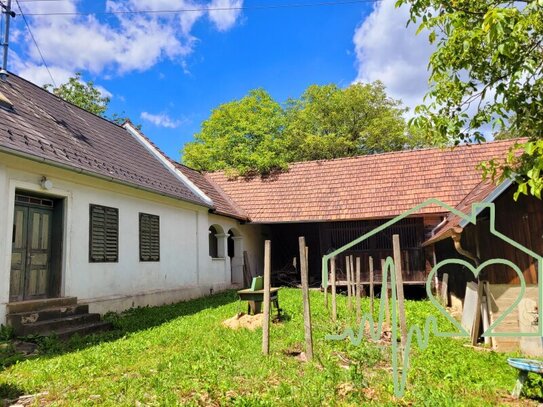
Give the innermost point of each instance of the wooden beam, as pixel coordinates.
(358, 310)
(247, 276)
(385, 289)
(305, 298)
(372, 295)
(348, 276)
(267, 280)
(399, 286)
(333, 282)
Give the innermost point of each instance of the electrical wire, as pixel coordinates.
(200, 9)
(36, 43)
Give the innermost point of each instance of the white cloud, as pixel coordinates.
(161, 120)
(222, 18)
(389, 51)
(112, 45)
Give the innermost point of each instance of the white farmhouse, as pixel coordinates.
(94, 217)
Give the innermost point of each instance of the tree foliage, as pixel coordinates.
(257, 134)
(82, 94)
(486, 75)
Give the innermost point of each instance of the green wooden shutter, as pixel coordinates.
(104, 234)
(149, 237)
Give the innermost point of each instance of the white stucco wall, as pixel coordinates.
(184, 271)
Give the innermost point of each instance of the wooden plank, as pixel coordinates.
(247, 275)
(444, 292)
(371, 285)
(305, 298)
(267, 279)
(399, 287)
(333, 282)
(348, 267)
(469, 309)
(385, 289)
(358, 310)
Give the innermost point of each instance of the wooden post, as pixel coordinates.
(357, 289)
(348, 276)
(385, 289)
(399, 286)
(266, 321)
(326, 293)
(333, 278)
(305, 298)
(372, 295)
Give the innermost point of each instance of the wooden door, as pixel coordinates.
(31, 253)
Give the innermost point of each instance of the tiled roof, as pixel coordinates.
(223, 205)
(374, 186)
(43, 126)
(478, 194)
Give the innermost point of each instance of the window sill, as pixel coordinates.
(218, 259)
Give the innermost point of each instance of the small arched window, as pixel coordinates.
(217, 242)
(213, 242)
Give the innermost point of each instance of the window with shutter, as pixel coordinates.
(149, 237)
(104, 234)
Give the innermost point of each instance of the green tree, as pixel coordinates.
(243, 136)
(257, 134)
(328, 122)
(82, 94)
(486, 72)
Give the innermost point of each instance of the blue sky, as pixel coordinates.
(168, 71)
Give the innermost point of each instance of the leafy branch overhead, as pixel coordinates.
(86, 96)
(486, 76)
(258, 134)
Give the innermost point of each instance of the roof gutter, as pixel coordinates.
(53, 163)
(457, 238)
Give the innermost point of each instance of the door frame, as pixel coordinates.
(22, 187)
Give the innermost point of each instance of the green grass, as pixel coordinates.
(180, 354)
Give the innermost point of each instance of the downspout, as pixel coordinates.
(456, 237)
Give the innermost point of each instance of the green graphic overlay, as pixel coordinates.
(431, 326)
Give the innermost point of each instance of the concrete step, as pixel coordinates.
(81, 330)
(37, 305)
(49, 326)
(17, 319)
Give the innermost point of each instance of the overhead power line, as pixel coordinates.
(36, 43)
(200, 9)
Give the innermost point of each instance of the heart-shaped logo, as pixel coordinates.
(476, 271)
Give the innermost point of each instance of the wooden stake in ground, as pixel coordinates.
(305, 298)
(399, 286)
(385, 289)
(351, 262)
(326, 294)
(267, 278)
(371, 285)
(348, 276)
(333, 282)
(358, 311)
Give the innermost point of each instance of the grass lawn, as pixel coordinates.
(180, 354)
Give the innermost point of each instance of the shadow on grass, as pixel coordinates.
(9, 392)
(127, 323)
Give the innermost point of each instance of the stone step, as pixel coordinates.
(81, 330)
(37, 305)
(47, 327)
(17, 319)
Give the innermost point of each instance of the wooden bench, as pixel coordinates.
(524, 367)
(255, 296)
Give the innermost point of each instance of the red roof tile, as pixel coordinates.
(366, 187)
